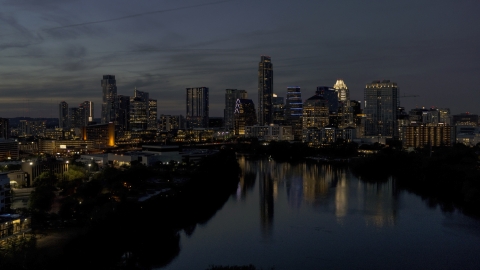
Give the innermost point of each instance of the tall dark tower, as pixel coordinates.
(109, 99)
(4, 128)
(381, 107)
(124, 112)
(197, 107)
(265, 91)
(63, 115)
(294, 110)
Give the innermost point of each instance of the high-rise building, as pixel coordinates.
(265, 91)
(278, 110)
(152, 114)
(244, 115)
(38, 127)
(425, 116)
(421, 135)
(231, 96)
(32, 128)
(63, 115)
(88, 109)
(81, 116)
(197, 113)
(109, 99)
(315, 112)
(171, 122)
(331, 95)
(76, 117)
(143, 96)
(123, 113)
(445, 116)
(139, 110)
(345, 114)
(23, 128)
(294, 110)
(380, 109)
(142, 111)
(465, 119)
(4, 128)
(138, 114)
(356, 107)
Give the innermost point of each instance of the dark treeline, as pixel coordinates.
(295, 152)
(117, 231)
(445, 176)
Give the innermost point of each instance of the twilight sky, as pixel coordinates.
(58, 50)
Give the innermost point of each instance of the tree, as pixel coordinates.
(45, 179)
(41, 198)
(75, 173)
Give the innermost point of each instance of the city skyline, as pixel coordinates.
(55, 51)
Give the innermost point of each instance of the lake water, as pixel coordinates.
(307, 216)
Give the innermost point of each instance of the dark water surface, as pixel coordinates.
(306, 216)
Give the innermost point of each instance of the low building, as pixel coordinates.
(12, 224)
(421, 135)
(18, 179)
(199, 135)
(165, 152)
(318, 137)
(99, 159)
(271, 132)
(21, 197)
(8, 149)
(102, 135)
(147, 159)
(65, 147)
(468, 135)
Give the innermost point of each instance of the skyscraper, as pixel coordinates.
(76, 117)
(138, 114)
(294, 110)
(88, 110)
(171, 122)
(63, 115)
(380, 109)
(109, 99)
(278, 104)
(143, 96)
(4, 128)
(345, 114)
(331, 96)
(231, 96)
(244, 115)
(152, 114)
(139, 110)
(265, 91)
(315, 112)
(123, 112)
(197, 105)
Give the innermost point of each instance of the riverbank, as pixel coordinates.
(117, 231)
(446, 176)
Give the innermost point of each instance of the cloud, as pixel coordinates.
(136, 15)
(21, 35)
